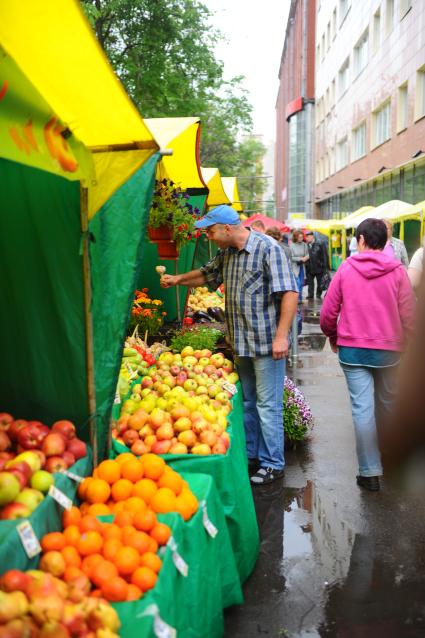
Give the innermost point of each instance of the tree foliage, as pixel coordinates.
(163, 52)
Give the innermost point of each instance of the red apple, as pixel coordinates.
(15, 427)
(130, 437)
(22, 478)
(21, 466)
(14, 580)
(5, 420)
(161, 447)
(69, 458)
(31, 436)
(53, 445)
(77, 447)
(138, 448)
(41, 456)
(55, 464)
(5, 442)
(12, 511)
(66, 428)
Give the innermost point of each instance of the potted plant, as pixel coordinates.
(146, 314)
(171, 218)
(297, 416)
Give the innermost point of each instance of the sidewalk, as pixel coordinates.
(335, 560)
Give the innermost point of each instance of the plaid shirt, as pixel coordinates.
(254, 279)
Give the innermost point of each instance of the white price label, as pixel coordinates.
(209, 526)
(74, 477)
(117, 398)
(60, 497)
(230, 387)
(131, 372)
(178, 561)
(29, 539)
(162, 629)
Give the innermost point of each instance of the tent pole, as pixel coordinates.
(91, 388)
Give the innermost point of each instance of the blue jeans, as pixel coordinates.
(300, 283)
(262, 380)
(372, 392)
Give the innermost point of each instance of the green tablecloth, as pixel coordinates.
(230, 474)
(45, 518)
(192, 605)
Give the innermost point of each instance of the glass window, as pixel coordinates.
(419, 183)
(382, 124)
(341, 154)
(359, 142)
(344, 6)
(334, 23)
(405, 6)
(402, 107)
(420, 94)
(408, 186)
(322, 46)
(328, 36)
(361, 53)
(343, 77)
(297, 178)
(376, 30)
(389, 16)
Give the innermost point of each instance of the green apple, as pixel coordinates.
(30, 457)
(42, 480)
(9, 487)
(30, 497)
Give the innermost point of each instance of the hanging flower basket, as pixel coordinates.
(167, 249)
(162, 233)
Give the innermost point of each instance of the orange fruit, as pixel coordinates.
(102, 572)
(153, 545)
(144, 577)
(127, 533)
(82, 488)
(71, 517)
(98, 491)
(115, 590)
(71, 573)
(144, 489)
(125, 456)
(90, 523)
(84, 508)
(133, 592)
(72, 535)
(127, 560)
(54, 563)
(140, 541)
(99, 509)
(190, 499)
(121, 490)
(117, 507)
(111, 530)
(110, 548)
(148, 559)
(153, 466)
(109, 471)
(161, 533)
(89, 562)
(95, 593)
(90, 543)
(134, 504)
(54, 541)
(163, 501)
(71, 556)
(183, 507)
(124, 518)
(132, 470)
(172, 480)
(145, 520)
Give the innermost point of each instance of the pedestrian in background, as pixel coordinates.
(299, 253)
(258, 226)
(317, 264)
(416, 267)
(395, 247)
(261, 302)
(367, 314)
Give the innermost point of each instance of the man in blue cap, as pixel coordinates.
(261, 302)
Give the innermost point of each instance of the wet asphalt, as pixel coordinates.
(335, 560)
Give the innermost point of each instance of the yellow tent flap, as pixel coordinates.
(230, 185)
(217, 195)
(392, 209)
(181, 135)
(347, 221)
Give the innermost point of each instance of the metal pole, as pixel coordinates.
(294, 349)
(176, 272)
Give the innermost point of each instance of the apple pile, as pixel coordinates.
(38, 605)
(180, 406)
(30, 452)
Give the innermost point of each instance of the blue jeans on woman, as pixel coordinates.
(262, 380)
(300, 283)
(372, 394)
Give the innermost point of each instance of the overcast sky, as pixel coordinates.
(255, 32)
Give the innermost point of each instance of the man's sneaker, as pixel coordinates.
(266, 475)
(370, 483)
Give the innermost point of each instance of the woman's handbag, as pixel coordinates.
(326, 280)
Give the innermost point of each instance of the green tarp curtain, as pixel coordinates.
(42, 343)
(149, 278)
(230, 473)
(116, 260)
(192, 605)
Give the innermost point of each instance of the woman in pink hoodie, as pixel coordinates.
(367, 314)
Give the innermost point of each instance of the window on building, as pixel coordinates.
(322, 47)
(328, 36)
(420, 94)
(405, 6)
(341, 154)
(358, 148)
(343, 76)
(382, 124)
(334, 23)
(402, 107)
(327, 103)
(389, 16)
(333, 92)
(318, 55)
(344, 6)
(361, 53)
(376, 30)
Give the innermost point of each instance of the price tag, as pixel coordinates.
(117, 398)
(209, 526)
(230, 387)
(162, 629)
(74, 477)
(131, 372)
(29, 539)
(60, 497)
(178, 561)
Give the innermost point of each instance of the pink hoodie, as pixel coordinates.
(369, 304)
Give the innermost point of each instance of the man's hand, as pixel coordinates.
(280, 347)
(167, 281)
(334, 347)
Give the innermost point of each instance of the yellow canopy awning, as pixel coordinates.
(347, 221)
(52, 45)
(217, 195)
(181, 135)
(230, 185)
(415, 211)
(391, 209)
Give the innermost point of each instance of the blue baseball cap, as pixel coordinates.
(219, 215)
